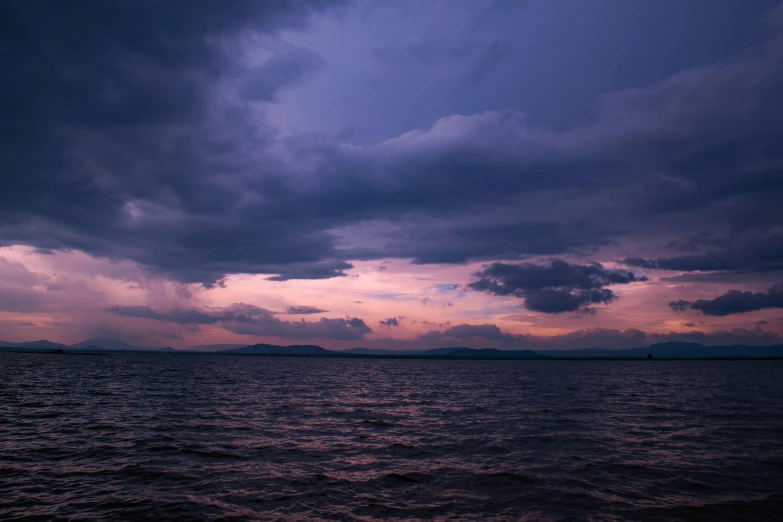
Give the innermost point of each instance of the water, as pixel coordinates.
(175, 437)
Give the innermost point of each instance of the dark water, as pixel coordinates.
(176, 437)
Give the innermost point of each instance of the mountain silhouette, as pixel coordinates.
(104, 343)
(34, 345)
(215, 347)
(297, 349)
(671, 350)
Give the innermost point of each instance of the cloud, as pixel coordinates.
(489, 335)
(680, 305)
(171, 336)
(23, 301)
(775, 18)
(128, 147)
(428, 52)
(286, 68)
(755, 251)
(392, 322)
(477, 237)
(734, 302)
(140, 139)
(555, 288)
(446, 288)
(311, 270)
(611, 338)
(304, 310)
(181, 316)
(17, 292)
(468, 332)
(246, 319)
(348, 329)
(493, 56)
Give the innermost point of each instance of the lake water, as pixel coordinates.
(175, 437)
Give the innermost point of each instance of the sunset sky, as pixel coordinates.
(486, 173)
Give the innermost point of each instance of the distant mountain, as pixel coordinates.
(454, 351)
(371, 351)
(107, 343)
(492, 352)
(584, 352)
(305, 349)
(672, 350)
(43, 344)
(88, 348)
(215, 347)
(103, 343)
(443, 351)
(34, 345)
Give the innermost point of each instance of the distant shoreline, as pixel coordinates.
(384, 356)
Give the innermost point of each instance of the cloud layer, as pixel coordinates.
(250, 320)
(194, 154)
(128, 147)
(489, 335)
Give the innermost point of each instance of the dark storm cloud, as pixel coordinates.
(250, 320)
(554, 288)
(110, 123)
(304, 310)
(425, 52)
(550, 301)
(694, 145)
(109, 64)
(147, 145)
(494, 54)
(464, 239)
(734, 302)
(312, 270)
(287, 68)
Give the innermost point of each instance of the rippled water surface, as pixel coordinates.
(176, 437)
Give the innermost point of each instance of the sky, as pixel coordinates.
(523, 174)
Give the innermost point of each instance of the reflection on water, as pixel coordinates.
(253, 438)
